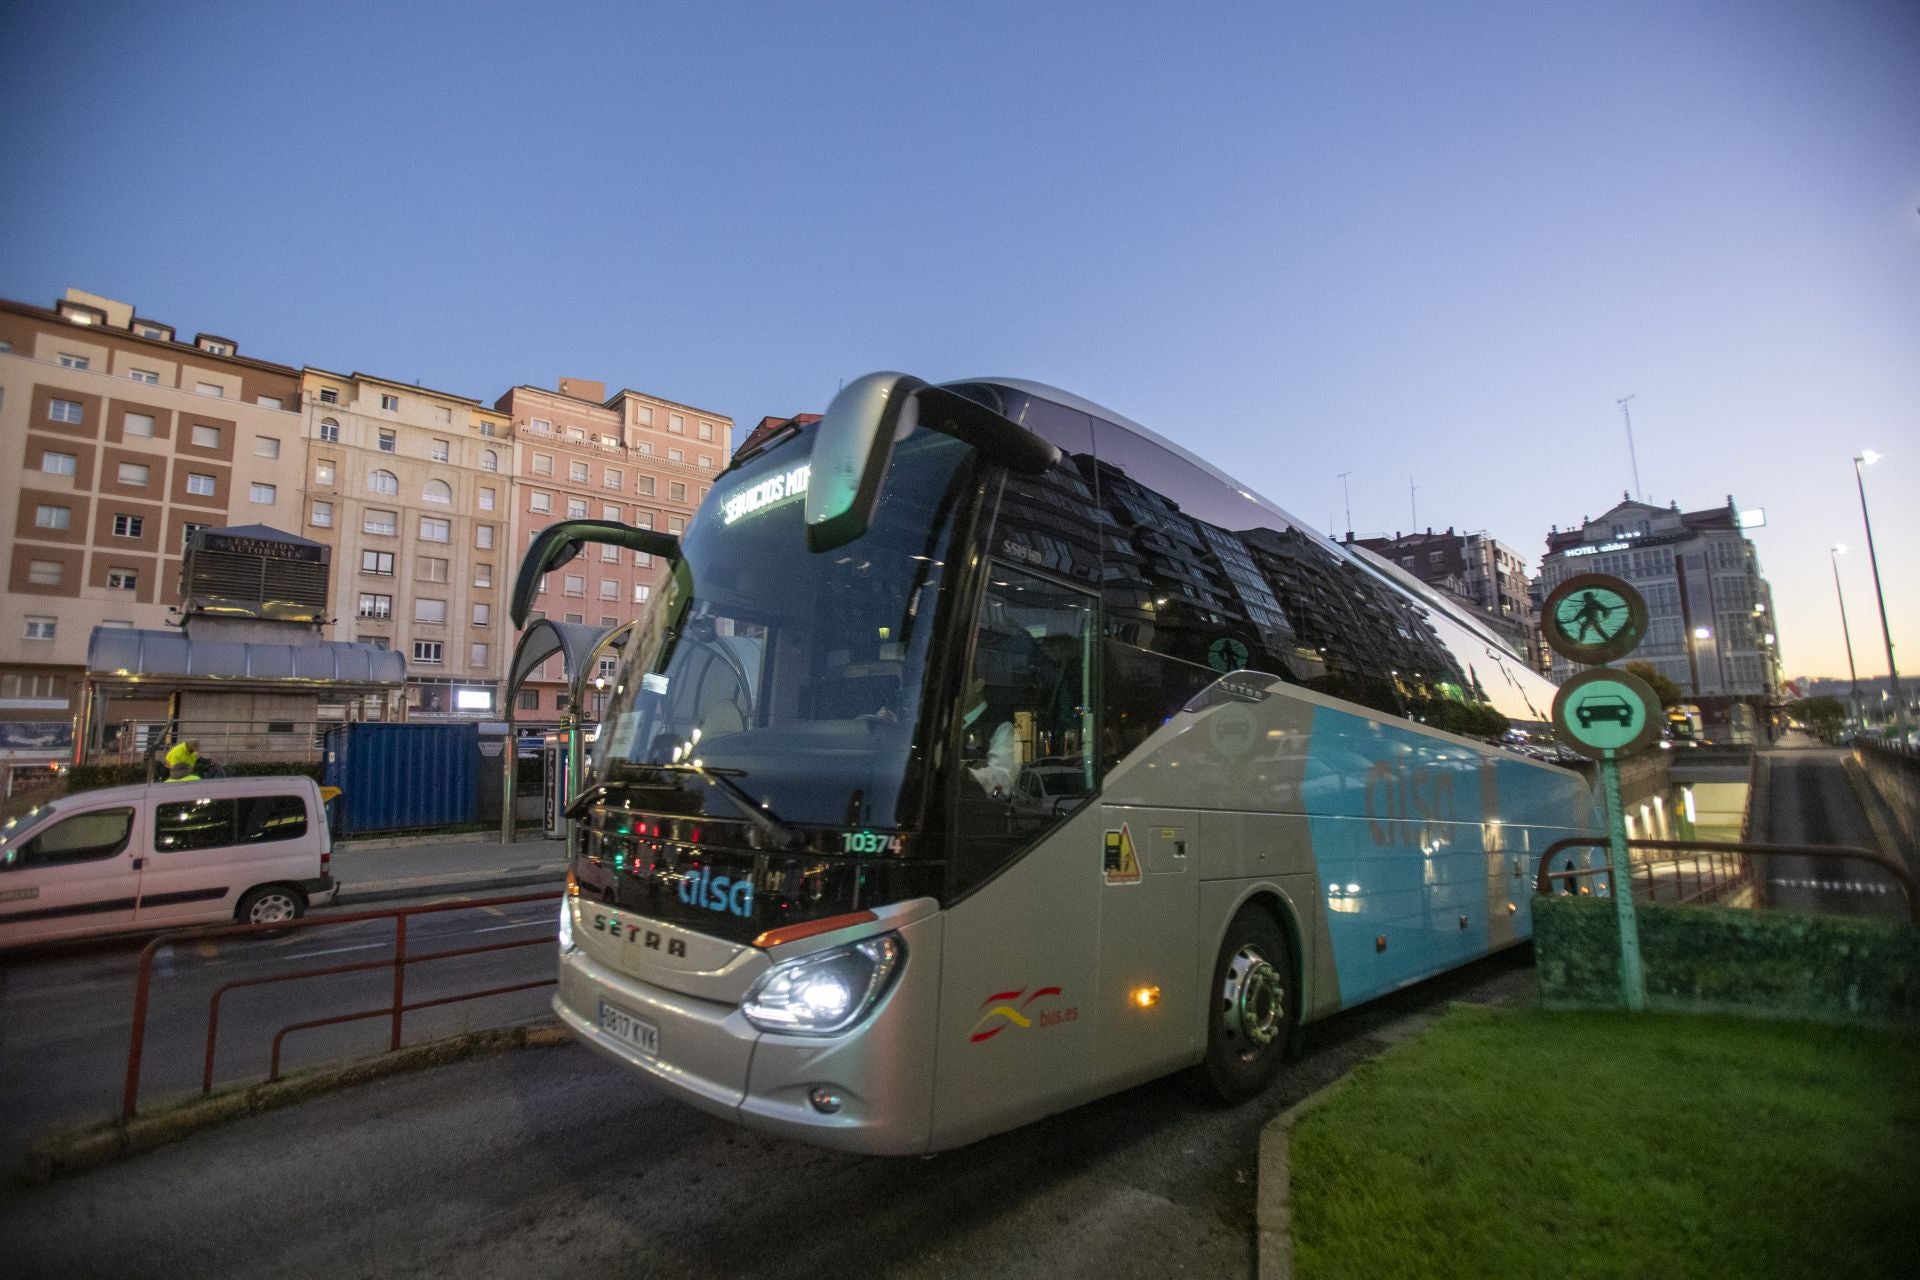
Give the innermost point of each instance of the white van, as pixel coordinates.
(163, 855)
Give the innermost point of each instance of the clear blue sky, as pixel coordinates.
(1403, 240)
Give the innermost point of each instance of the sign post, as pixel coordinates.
(1606, 714)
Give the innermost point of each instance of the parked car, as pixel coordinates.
(162, 855)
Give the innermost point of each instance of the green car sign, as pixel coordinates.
(1604, 713)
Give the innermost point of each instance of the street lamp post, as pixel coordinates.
(1853, 676)
(1868, 457)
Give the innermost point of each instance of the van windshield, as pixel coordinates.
(768, 674)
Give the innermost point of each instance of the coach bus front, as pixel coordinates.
(755, 883)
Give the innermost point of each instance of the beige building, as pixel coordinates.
(411, 489)
(119, 438)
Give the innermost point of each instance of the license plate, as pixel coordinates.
(624, 1027)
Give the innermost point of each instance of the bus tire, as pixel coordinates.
(1253, 1003)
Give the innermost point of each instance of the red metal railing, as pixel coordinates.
(1730, 856)
(398, 962)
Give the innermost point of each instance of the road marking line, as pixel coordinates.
(334, 951)
(517, 924)
(494, 911)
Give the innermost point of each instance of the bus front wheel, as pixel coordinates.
(1254, 995)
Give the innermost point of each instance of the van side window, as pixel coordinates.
(265, 818)
(85, 837)
(192, 824)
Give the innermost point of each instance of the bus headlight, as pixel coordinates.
(566, 924)
(826, 992)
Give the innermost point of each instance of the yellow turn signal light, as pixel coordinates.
(1144, 997)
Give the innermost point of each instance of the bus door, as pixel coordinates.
(1021, 938)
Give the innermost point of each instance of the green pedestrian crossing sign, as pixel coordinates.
(1227, 654)
(1594, 618)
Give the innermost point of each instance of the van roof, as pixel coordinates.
(263, 784)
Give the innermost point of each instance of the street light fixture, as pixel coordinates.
(1868, 457)
(1853, 676)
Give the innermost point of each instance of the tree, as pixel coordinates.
(1666, 690)
(1825, 716)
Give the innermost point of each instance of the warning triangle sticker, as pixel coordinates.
(1120, 865)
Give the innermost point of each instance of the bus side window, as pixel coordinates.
(1027, 723)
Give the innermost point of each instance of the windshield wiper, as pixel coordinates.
(764, 819)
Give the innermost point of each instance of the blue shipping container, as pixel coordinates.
(400, 776)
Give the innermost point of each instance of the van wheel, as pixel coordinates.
(270, 904)
(1254, 1002)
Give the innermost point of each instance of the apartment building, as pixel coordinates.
(582, 454)
(1481, 572)
(410, 487)
(118, 438)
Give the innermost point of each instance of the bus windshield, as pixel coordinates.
(767, 675)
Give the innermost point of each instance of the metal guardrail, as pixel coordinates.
(396, 1011)
(1744, 849)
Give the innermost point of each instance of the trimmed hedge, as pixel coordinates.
(1723, 959)
(90, 777)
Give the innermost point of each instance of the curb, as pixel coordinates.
(73, 1150)
(1273, 1203)
(1880, 817)
(381, 840)
(386, 891)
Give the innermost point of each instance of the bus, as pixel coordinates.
(984, 753)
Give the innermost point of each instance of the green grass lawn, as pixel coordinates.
(1607, 1144)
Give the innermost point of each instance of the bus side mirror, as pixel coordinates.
(851, 449)
(561, 541)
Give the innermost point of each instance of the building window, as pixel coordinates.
(377, 642)
(442, 450)
(489, 461)
(140, 424)
(575, 433)
(476, 655)
(433, 568)
(73, 362)
(323, 473)
(123, 579)
(482, 615)
(706, 462)
(40, 628)
(323, 515)
(437, 491)
(390, 403)
(270, 402)
(329, 431)
(442, 414)
(609, 554)
(676, 424)
(576, 508)
(375, 606)
(209, 389)
(706, 431)
(426, 652)
(611, 478)
(329, 395)
(263, 493)
(64, 411)
(576, 585)
(529, 700)
(543, 464)
(640, 592)
(187, 531)
(540, 503)
(205, 437)
(482, 575)
(578, 472)
(643, 485)
(58, 464)
(434, 611)
(383, 522)
(676, 455)
(200, 486)
(676, 525)
(149, 376)
(266, 447)
(643, 558)
(676, 491)
(609, 589)
(542, 425)
(644, 448)
(483, 537)
(45, 517)
(486, 499)
(383, 482)
(432, 530)
(44, 573)
(125, 526)
(135, 474)
(380, 562)
(388, 441)
(643, 414)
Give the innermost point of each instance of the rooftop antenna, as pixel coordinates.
(1413, 502)
(1345, 493)
(1631, 456)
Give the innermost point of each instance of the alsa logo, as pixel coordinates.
(999, 1012)
(717, 893)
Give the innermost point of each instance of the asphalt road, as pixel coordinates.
(552, 1162)
(65, 1010)
(1812, 803)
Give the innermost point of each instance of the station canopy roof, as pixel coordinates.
(173, 659)
(578, 645)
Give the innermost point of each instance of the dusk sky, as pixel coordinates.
(1418, 242)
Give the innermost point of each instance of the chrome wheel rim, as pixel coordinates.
(1254, 1002)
